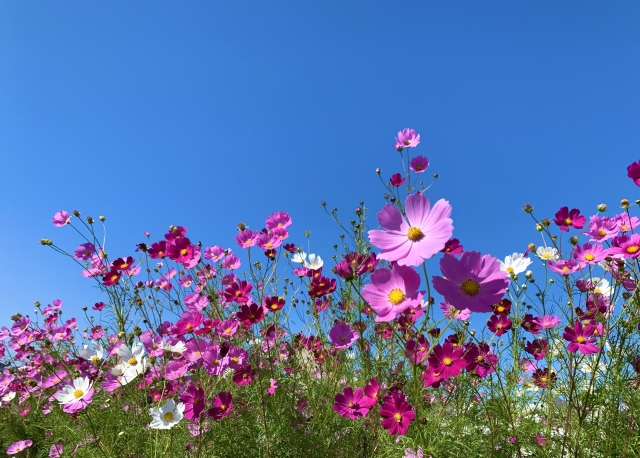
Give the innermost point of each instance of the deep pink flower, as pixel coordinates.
(250, 314)
(410, 242)
(391, 292)
(539, 349)
(352, 404)
(273, 303)
(19, 446)
(473, 281)
(181, 250)
(111, 278)
(547, 321)
(188, 322)
(417, 351)
(397, 180)
(158, 250)
(372, 390)
(278, 219)
(227, 328)
(342, 336)
(244, 375)
(214, 253)
(633, 172)
(419, 164)
(581, 339)
(231, 262)
(447, 360)
(213, 361)
(627, 223)
(194, 400)
(397, 415)
(237, 357)
(238, 292)
(563, 267)
(222, 405)
(452, 247)
(273, 384)
(407, 138)
(565, 219)
(589, 254)
(503, 307)
(630, 248)
(542, 378)
(499, 324)
(61, 218)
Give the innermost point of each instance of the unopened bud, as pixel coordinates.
(539, 227)
(625, 204)
(527, 208)
(378, 171)
(545, 222)
(89, 220)
(602, 208)
(323, 203)
(76, 213)
(102, 218)
(528, 274)
(531, 247)
(574, 240)
(36, 303)
(436, 176)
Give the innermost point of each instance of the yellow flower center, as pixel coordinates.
(418, 167)
(470, 287)
(546, 255)
(510, 270)
(94, 359)
(398, 417)
(183, 252)
(589, 257)
(132, 361)
(78, 394)
(602, 232)
(447, 361)
(633, 249)
(415, 234)
(580, 339)
(565, 268)
(396, 296)
(500, 309)
(567, 222)
(168, 416)
(342, 339)
(351, 404)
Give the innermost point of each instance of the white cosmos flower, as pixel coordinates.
(93, 354)
(77, 392)
(167, 416)
(547, 254)
(133, 362)
(601, 286)
(179, 347)
(515, 264)
(9, 396)
(315, 262)
(299, 257)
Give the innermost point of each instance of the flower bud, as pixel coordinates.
(436, 176)
(102, 218)
(89, 220)
(539, 227)
(602, 208)
(378, 171)
(545, 222)
(574, 240)
(36, 303)
(625, 204)
(528, 274)
(323, 203)
(531, 247)
(527, 208)
(76, 213)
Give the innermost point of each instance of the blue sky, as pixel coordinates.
(205, 114)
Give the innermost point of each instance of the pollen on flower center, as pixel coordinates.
(398, 417)
(589, 257)
(415, 234)
(580, 339)
(567, 222)
(396, 296)
(633, 249)
(132, 361)
(168, 416)
(183, 252)
(447, 361)
(470, 287)
(602, 233)
(510, 270)
(78, 394)
(351, 404)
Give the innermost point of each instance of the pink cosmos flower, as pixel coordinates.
(581, 339)
(547, 321)
(589, 254)
(244, 375)
(227, 328)
(410, 242)
(342, 336)
(247, 238)
(419, 164)
(352, 404)
(407, 138)
(158, 250)
(214, 253)
(565, 219)
(222, 405)
(499, 324)
(56, 450)
(175, 369)
(417, 351)
(372, 390)
(601, 229)
(633, 172)
(562, 267)
(397, 415)
(194, 400)
(61, 218)
(391, 292)
(278, 219)
(397, 180)
(213, 361)
(447, 360)
(231, 262)
(627, 223)
(250, 314)
(273, 384)
(473, 281)
(452, 247)
(453, 313)
(84, 252)
(19, 446)
(268, 241)
(630, 248)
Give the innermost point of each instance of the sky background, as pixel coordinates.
(205, 114)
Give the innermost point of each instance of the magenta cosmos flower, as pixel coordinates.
(391, 292)
(61, 218)
(566, 219)
(630, 248)
(397, 414)
(19, 446)
(589, 254)
(342, 336)
(419, 164)
(474, 281)
(410, 242)
(581, 339)
(352, 404)
(407, 138)
(633, 172)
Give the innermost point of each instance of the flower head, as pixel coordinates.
(422, 235)
(419, 164)
(633, 172)
(473, 281)
(391, 292)
(515, 264)
(352, 404)
(19, 446)
(407, 138)
(342, 336)
(566, 219)
(397, 415)
(167, 416)
(61, 218)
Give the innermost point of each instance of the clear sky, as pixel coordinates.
(205, 114)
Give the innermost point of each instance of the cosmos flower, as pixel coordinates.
(515, 264)
(167, 416)
(391, 292)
